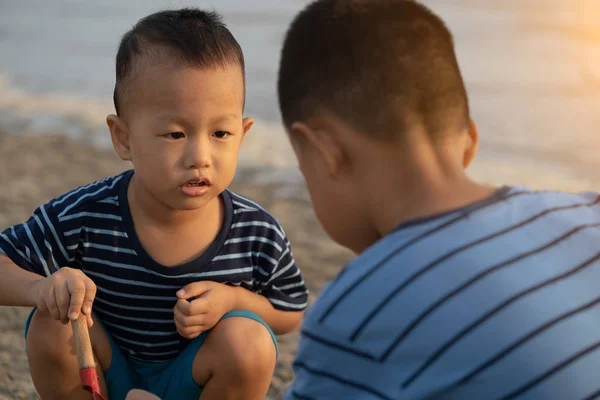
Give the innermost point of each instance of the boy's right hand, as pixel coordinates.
(65, 294)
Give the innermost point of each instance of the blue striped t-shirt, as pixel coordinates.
(91, 228)
(498, 300)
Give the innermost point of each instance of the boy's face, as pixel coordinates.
(182, 130)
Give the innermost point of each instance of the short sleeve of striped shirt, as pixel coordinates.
(276, 273)
(47, 241)
(37, 245)
(283, 285)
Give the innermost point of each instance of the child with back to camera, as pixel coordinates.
(460, 290)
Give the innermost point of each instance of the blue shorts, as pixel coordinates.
(170, 380)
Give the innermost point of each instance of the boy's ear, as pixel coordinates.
(472, 144)
(317, 144)
(247, 123)
(297, 135)
(119, 135)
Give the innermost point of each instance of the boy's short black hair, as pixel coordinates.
(189, 35)
(383, 66)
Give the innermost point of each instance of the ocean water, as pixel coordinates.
(532, 69)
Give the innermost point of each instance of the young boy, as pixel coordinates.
(460, 290)
(157, 256)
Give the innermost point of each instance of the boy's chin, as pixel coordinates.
(189, 203)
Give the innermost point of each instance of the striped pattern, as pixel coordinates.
(499, 300)
(91, 228)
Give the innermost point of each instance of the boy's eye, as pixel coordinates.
(176, 135)
(221, 134)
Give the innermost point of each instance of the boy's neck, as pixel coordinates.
(426, 199)
(410, 187)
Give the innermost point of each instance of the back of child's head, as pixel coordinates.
(187, 36)
(383, 66)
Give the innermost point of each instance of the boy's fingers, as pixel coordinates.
(90, 321)
(186, 322)
(183, 307)
(199, 306)
(63, 299)
(52, 305)
(90, 295)
(190, 332)
(191, 308)
(194, 289)
(77, 290)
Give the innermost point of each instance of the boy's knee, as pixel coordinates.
(244, 348)
(47, 338)
(249, 345)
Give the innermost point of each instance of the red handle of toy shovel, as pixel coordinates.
(85, 357)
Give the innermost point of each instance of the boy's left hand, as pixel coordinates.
(208, 302)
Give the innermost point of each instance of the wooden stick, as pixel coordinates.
(83, 345)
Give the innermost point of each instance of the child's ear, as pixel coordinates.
(317, 142)
(247, 123)
(472, 144)
(119, 135)
(297, 135)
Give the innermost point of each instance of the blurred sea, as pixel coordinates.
(532, 69)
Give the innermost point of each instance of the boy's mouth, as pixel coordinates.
(197, 183)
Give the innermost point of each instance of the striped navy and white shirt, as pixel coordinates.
(498, 300)
(91, 228)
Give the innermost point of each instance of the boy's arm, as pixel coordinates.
(16, 284)
(29, 252)
(22, 288)
(279, 295)
(202, 304)
(279, 321)
(282, 295)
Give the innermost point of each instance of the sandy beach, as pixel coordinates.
(29, 180)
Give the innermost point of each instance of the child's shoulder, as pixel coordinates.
(247, 213)
(525, 199)
(87, 197)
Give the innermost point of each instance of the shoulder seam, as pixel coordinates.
(71, 201)
(251, 203)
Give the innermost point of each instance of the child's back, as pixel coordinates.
(460, 291)
(493, 300)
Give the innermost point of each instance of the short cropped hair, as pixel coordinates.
(383, 66)
(189, 35)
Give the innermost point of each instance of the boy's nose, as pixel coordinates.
(198, 154)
